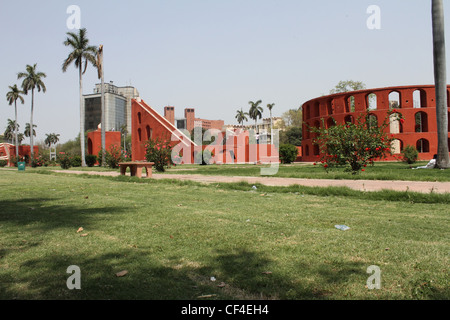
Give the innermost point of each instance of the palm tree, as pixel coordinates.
(32, 80)
(99, 65)
(10, 132)
(13, 96)
(241, 116)
(443, 160)
(52, 138)
(255, 111)
(81, 54)
(28, 130)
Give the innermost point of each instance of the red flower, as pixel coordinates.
(367, 149)
(402, 120)
(325, 166)
(363, 169)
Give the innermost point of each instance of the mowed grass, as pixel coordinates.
(172, 237)
(379, 171)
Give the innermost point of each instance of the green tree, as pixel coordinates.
(10, 132)
(241, 116)
(51, 139)
(348, 85)
(354, 144)
(440, 76)
(32, 80)
(27, 130)
(81, 54)
(255, 111)
(12, 97)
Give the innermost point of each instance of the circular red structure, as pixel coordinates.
(416, 104)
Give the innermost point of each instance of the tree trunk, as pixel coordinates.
(82, 143)
(103, 121)
(16, 133)
(443, 160)
(31, 126)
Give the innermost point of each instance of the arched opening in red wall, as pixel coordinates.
(139, 134)
(423, 146)
(307, 150)
(421, 120)
(148, 132)
(307, 112)
(350, 104)
(420, 98)
(90, 147)
(397, 146)
(316, 149)
(316, 126)
(372, 121)
(371, 101)
(349, 119)
(331, 122)
(307, 131)
(139, 118)
(394, 100)
(316, 109)
(330, 107)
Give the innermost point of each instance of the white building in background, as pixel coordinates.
(117, 107)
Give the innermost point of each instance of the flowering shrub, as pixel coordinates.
(64, 160)
(3, 163)
(113, 157)
(159, 152)
(355, 144)
(14, 160)
(38, 161)
(91, 159)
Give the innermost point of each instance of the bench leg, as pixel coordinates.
(123, 170)
(139, 172)
(148, 170)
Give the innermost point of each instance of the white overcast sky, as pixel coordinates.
(213, 55)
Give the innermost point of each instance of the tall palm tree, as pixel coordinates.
(10, 132)
(32, 80)
(12, 97)
(81, 54)
(52, 138)
(440, 76)
(255, 111)
(99, 64)
(241, 116)
(27, 130)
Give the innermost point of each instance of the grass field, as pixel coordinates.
(172, 237)
(380, 171)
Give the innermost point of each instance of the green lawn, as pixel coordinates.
(380, 171)
(172, 237)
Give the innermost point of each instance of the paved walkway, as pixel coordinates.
(362, 185)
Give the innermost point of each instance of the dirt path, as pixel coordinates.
(362, 185)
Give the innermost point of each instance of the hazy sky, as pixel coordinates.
(213, 55)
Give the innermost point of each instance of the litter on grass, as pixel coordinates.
(341, 227)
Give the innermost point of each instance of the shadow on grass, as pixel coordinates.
(244, 275)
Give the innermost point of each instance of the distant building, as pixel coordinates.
(117, 107)
(189, 120)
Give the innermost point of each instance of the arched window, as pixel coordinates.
(316, 150)
(307, 112)
(420, 98)
(139, 117)
(139, 134)
(307, 150)
(330, 107)
(372, 121)
(421, 119)
(371, 101)
(349, 119)
(316, 109)
(148, 132)
(350, 104)
(423, 146)
(397, 146)
(394, 100)
(331, 122)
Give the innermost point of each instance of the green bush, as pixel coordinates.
(91, 159)
(159, 152)
(410, 154)
(76, 161)
(3, 163)
(113, 157)
(64, 160)
(288, 153)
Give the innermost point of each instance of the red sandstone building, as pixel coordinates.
(416, 103)
(189, 121)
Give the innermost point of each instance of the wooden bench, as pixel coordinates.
(136, 168)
